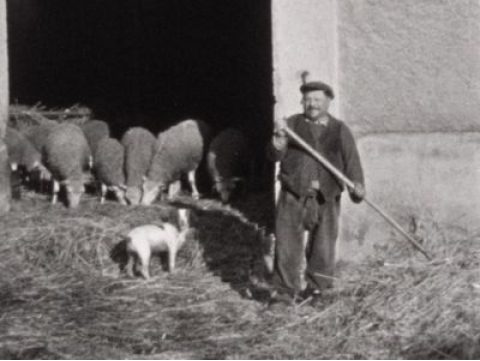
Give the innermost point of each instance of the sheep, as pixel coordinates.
(38, 134)
(108, 168)
(180, 150)
(95, 131)
(228, 162)
(145, 240)
(67, 154)
(139, 146)
(21, 151)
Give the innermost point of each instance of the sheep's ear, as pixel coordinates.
(65, 182)
(144, 178)
(123, 187)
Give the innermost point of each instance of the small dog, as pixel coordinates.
(143, 241)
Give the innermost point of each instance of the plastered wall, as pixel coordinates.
(407, 78)
(410, 72)
(410, 65)
(304, 38)
(428, 182)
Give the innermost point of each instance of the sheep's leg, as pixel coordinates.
(56, 189)
(174, 189)
(144, 257)
(122, 201)
(172, 254)
(130, 267)
(144, 271)
(191, 180)
(44, 179)
(103, 192)
(41, 184)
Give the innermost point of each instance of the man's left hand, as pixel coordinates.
(358, 192)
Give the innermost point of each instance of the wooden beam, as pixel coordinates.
(4, 101)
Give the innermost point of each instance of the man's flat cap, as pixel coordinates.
(317, 85)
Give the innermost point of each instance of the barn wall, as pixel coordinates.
(4, 170)
(410, 70)
(407, 78)
(304, 38)
(410, 65)
(429, 183)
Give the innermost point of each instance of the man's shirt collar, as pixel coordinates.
(323, 121)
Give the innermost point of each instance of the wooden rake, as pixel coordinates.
(321, 159)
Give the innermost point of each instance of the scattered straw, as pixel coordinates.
(63, 293)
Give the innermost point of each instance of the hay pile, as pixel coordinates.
(24, 116)
(63, 294)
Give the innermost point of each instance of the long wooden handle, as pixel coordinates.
(320, 158)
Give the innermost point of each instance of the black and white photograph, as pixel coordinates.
(239, 179)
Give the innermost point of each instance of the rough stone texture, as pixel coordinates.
(433, 178)
(410, 65)
(4, 99)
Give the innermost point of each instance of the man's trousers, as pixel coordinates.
(289, 250)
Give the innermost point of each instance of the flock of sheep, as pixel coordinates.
(138, 168)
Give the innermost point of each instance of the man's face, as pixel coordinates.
(315, 104)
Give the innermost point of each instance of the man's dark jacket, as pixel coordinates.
(334, 141)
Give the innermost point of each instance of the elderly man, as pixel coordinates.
(310, 195)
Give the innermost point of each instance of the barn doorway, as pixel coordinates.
(146, 62)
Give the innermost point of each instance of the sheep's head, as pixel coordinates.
(133, 194)
(32, 161)
(75, 189)
(43, 172)
(120, 193)
(226, 187)
(151, 189)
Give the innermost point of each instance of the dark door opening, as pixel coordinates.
(146, 62)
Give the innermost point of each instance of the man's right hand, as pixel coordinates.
(279, 127)
(357, 194)
(279, 135)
